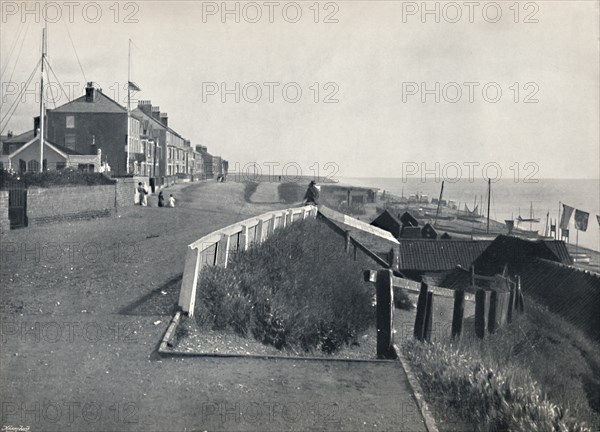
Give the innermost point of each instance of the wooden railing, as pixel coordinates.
(493, 308)
(215, 248)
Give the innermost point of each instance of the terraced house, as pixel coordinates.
(95, 122)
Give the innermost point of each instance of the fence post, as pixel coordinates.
(385, 315)
(223, 250)
(421, 309)
(391, 259)
(458, 314)
(493, 313)
(258, 232)
(511, 303)
(428, 317)
(244, 238)
(187, 294)
(347, 241)
(480, 298)
(305, 213)
(283, 217)
(520, 298)
(291, 217)
(271, 226)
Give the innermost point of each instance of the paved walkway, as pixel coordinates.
(75, 354)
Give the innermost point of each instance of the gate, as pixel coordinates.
(17, 203)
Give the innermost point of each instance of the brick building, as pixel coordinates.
(96, 122)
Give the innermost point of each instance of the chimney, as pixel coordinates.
(90, 92)
(146, 107)
(156, 112)
(10, 134)
(164, 119)
(36, 126)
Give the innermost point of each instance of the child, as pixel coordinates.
(171, 201)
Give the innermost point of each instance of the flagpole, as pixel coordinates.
(128, 103)
(557, 223)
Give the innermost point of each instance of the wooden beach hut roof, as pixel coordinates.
(436, 255)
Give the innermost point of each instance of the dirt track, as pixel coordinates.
(80, 307)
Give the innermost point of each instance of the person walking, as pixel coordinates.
(161, 199)
(171, 203)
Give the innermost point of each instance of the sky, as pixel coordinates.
(352, 94)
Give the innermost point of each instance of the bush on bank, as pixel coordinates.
(526, 377)
(297, 290)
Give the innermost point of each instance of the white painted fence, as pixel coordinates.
(215, 248)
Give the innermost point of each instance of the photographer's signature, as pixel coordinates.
(15, 429)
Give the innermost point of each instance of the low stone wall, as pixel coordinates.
(69, 203)
(4, 220)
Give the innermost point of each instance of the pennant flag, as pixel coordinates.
(598, 217)
(133, 86)
(581, 220)
(566, 217)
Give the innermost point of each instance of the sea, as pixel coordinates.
(509, 199)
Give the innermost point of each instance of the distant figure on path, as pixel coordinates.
(161, 199)
(171, 203)
(142, 192)
(312, 194)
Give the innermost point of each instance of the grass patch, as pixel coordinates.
(291, 193)
(297, 290)
(538, 373)
(249, 189)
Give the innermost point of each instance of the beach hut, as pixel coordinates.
(388, 222)
(429, 232)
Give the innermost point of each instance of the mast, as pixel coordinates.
(128, 103)
(42, 107)
(488, 209)
(439, 203)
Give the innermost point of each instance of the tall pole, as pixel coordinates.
(439, 203)
(558, 221)
(128, 103)
(42, 108)
(488, 209)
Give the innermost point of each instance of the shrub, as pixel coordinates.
(297, 290)
(65, 177)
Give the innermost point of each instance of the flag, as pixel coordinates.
(133, 86)
(581, 220)
(566, 217)
(510, 224)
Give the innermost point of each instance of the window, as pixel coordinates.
(33, 165)
(70, 122)
(70, 141)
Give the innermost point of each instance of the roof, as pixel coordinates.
(21, 138)
(567, 290)
(64, 151)
(388, 222)
(102, 104)
(517, 253)
(438, 255)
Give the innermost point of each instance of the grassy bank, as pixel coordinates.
(539, 373)
(297, 290)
